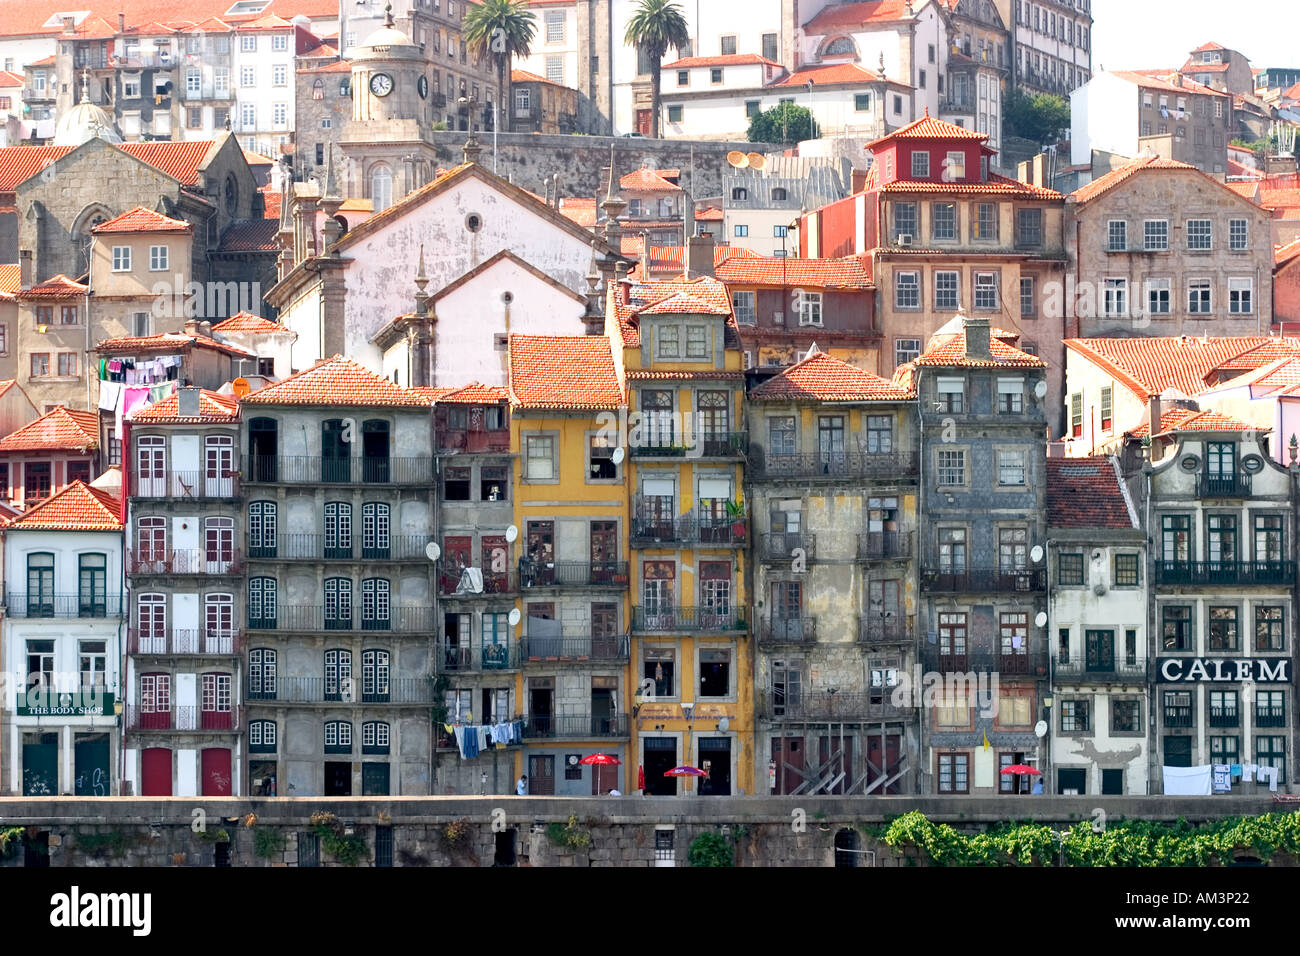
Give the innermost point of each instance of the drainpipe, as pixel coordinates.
(920, 486)
(1152, 693)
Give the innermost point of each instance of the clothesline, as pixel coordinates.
(473, 739)
(130, 371)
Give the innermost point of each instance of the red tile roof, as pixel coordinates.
(1151, 366)
(1113, 178)
(709, 214)
(668, 261)
(77, 507)
(684, 302)
(1174, 420)
(1278, 200)
(60, 428)
(1281, 256)
(648, 180)
(729, 59)
(252, 235)
(581, 209)
(844, 17)
(929, 127)
(271, 203)
(168, 342)
(214, 408)
(828, 74)
(10, 79)
(1087, 493)
(10, 279)
(1211, 45)
(563, 372)
(850, 272)
(1164, 80)
(140, 219)
(995, 185)
(337, 381)
(56, 287)
(819, 377)
(1246, 190)
(1253, 358)
(952, 354)
(28, 17)
(247, 322)
(475, 393)
(180, 160)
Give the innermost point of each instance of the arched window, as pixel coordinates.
(840, 46)
(375, 605)
(338, 675)
(261, 603)
(374, 737)
(374, 676)
(338, 604)
(151, 624)
(262, 673)
(375, 542)
(338, 529)
(262, 737)
(338, 737)
(381, 188)
(262, 529)
(219, 624)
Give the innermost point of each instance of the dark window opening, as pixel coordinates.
(456, 484)
(505, 848)
(383, 846)
(846, 843)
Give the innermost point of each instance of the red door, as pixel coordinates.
(156, 772)
(643, 121)
(457, 554)
(215, 767)
(882, 761)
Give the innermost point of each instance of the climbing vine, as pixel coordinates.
(347, 849)
(711, 849)
(570, 835)
(9, 837)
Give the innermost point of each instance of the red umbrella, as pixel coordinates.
(1021, 769)
(685, 772)
(640, 777)
(600, 759)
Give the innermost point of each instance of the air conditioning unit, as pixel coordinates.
(904, 238)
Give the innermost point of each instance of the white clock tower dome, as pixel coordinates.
(389, 77)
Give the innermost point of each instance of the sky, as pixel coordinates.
(1158, 34)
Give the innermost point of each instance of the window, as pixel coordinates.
(907, 290)
(1069, 569)
(1270, 708)
(952, 467)
(955, 166)
(1241, 296)
(601, 466)
(1126, 570)
(906, 350)
(555, 27)
(740, 231)
(862, 102)
(1125, 715)
(374, 675)
(728, 44)
(279, 42)
(810, 308)
(715, 672)
(781, 435)
(985, 223)
(1223, 629)
(880, 434)
(921, 78)
(1075, 717)
(715, 76)
(67, 363)
(40, 364)
(904, 219)
(158, 258)
(1117, 236)
(675, 113)
(40, 585)
(697, 342)
(279, 75)
(1270, 633)
(1028, 305)
(920, 164)
(898, 104)
(1115, 297)
(1029, 227)
(279, 115)
(658, 665)
(944, 220)
(986, 292)
(954, 773)
(952, 629)
(1200, 296)
(261, 602)
(1271, 752)
(1011, 467)
(374, 737)
(742, 304)
(69, 315)
(1011, 395)
(131, 87)
(121, 258)
(1268, 538)
(539, 462)
(456, 484)
(1076, 415)
(667, 338)
(248, 116)
(194, 118)
(752, 108)
(950, 392)
(1175, 540)
(262, 737)
(338, 737)
(1176, 625)
(1238, 234)
(771, 50)
(375, 604)
(1107, 408)
(261, 674)
(945, 290)
(1199, 234)
(1158, 296)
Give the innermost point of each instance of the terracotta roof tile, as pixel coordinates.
(1281, 255)
(850, 272)
(995, 185)
(10, 279)
(1164, 80)
(845, 16)
(140, 219)
(563, 372)
(581, 209)
(1151, 366)
(1086, 493)
(29, 17)
(728, 59)
(56, 287)
(475, 393)
(952, 354)
(181, 160)
(247, 322)
(930, 127)
(645, 179)
(337, 381)
(271, 201)
(60, 428)
(684, 302)
(77, 507)
(709, 214)
(1179, 419)
(214, 408)
(252, 235)
(1116, 176)
(432, 392)
(168, 342)
(1247, 190)
(10, 79)
(819, 377)
(828, 74)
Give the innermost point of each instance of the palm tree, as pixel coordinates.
(503, 30)
(655, 26)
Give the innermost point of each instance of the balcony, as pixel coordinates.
(454, 583)
(184, 642)
(183, 718)
(185, 485)
(320, 547)
(474, 441)
(39, 701)
(883, 628)
(719, 444)
(666, 620)
(401, 620)
(787, 630)
(983, 580)
(1028, 664)
(134, 60)
(1179, 716)
(832, 706)
(1223, 486)
(1226, 717)
(655, 531)
(301, 469)
(33, 95)
(1084, 672)
(462, 658)
(581, 726)
(1225, 573)
(183, 561)
(884, 545)
(572, 648)
(1270, 716)
(403, 691)
(897, 466)
(572, 574)
(63, 605)
(780, 546)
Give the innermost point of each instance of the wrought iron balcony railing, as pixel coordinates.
(1114, 672)
(825, 705)
(566, 648)
(184, 718)
(787, 630)
(184, 642)
(1226, 573)
(321, 547)
(455, 583)
(40, 604)
(462, 658)
(303, 469)
(401, 620)
(576, 725)
(884, 545)
(1223, 486)
(1024, 664)
(183, 561)
(783, 545)
(883, 628)
(579, 574)
(186, 485)
(667, 619)
(344, 690)
(847, 464)
(983, 580)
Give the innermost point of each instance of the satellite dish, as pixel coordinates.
(737, 159)
(512, 533)
(724, 725)
(1040, 388)
(513, 617)
(1040, 619)
(433, 551)
(240, 387)
(618, 456)
(1040, 729)
(1035, 553)
(756, 161)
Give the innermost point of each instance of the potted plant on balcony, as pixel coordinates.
(736, 510)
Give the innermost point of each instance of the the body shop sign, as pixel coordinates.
(1261, 670)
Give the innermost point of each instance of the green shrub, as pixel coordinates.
(710, 849)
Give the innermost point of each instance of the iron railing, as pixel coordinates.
(401, 620)
(727, 532)
(576, 725)
(346, 690)
(1115, 672)
(304, 469)
(184, 718)
(704, 445)
(1226, 573)
(534, 649)
(884, 545)
(456, 584)
(582, 574)
(461, 658)
(1179, 716)
(782, 545)
(847, 464)
(983, 580)
(494, 442)
(883, 628)
(687, 618)
(320, 547)
(1223, 486)
(1225, 717)
(183, 561)
(787, 630)
(1270, 716)
(825, 705)
(177, 641)
(1030, 663)
(37, 604)
(186, 485)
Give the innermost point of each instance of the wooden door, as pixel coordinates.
(643, 122)
(218, 466)
(215, 769)
(156, 772)
(882, 761)
(541, 775)
(151, 466)
(604, 551)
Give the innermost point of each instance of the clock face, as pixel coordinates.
(381, 84)
(422, 87)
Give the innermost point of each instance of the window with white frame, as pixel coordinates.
(539, 460)
(158, 259)
(952, 466)
(248, 116)
(1200, 234)
(1200, 296)
(697, 342)
(555, 27)
(742, 304)
(121, 258)
(1028, 304)
(247, 76)
(131, 87)
(279, 115)
(946, 290)
(950, 393)
(1158, 296)
(1011, 467)
(279, 75)
(667, 340)
(1114, 297)
(906, 350)
(1011, 395)
(1238, 234)
(248, 43)
(810, 308)
(1116, 235)
(907, 290)
(943, 220)
(986, 291)
(193, 82)
(1241, 296)
(920, 164)
(955, 165)
(279, 42)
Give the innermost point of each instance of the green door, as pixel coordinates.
(374, 779)
(40, 770)
(90, 766)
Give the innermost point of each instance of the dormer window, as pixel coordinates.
(955, 165)
(920, 165)
(739, 193)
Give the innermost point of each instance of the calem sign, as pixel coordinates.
(1263, 670)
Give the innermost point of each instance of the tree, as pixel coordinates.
(655, 26)
(1041, 117)
(503, 30)
(783, 123)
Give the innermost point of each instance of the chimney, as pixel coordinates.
(191, 326)
(187, 402)
(1153, 415)
(205, 327)
(699, 255)
(977, 338)
(24, 269)
(69, 26)
(624, 283)
(121, 23)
